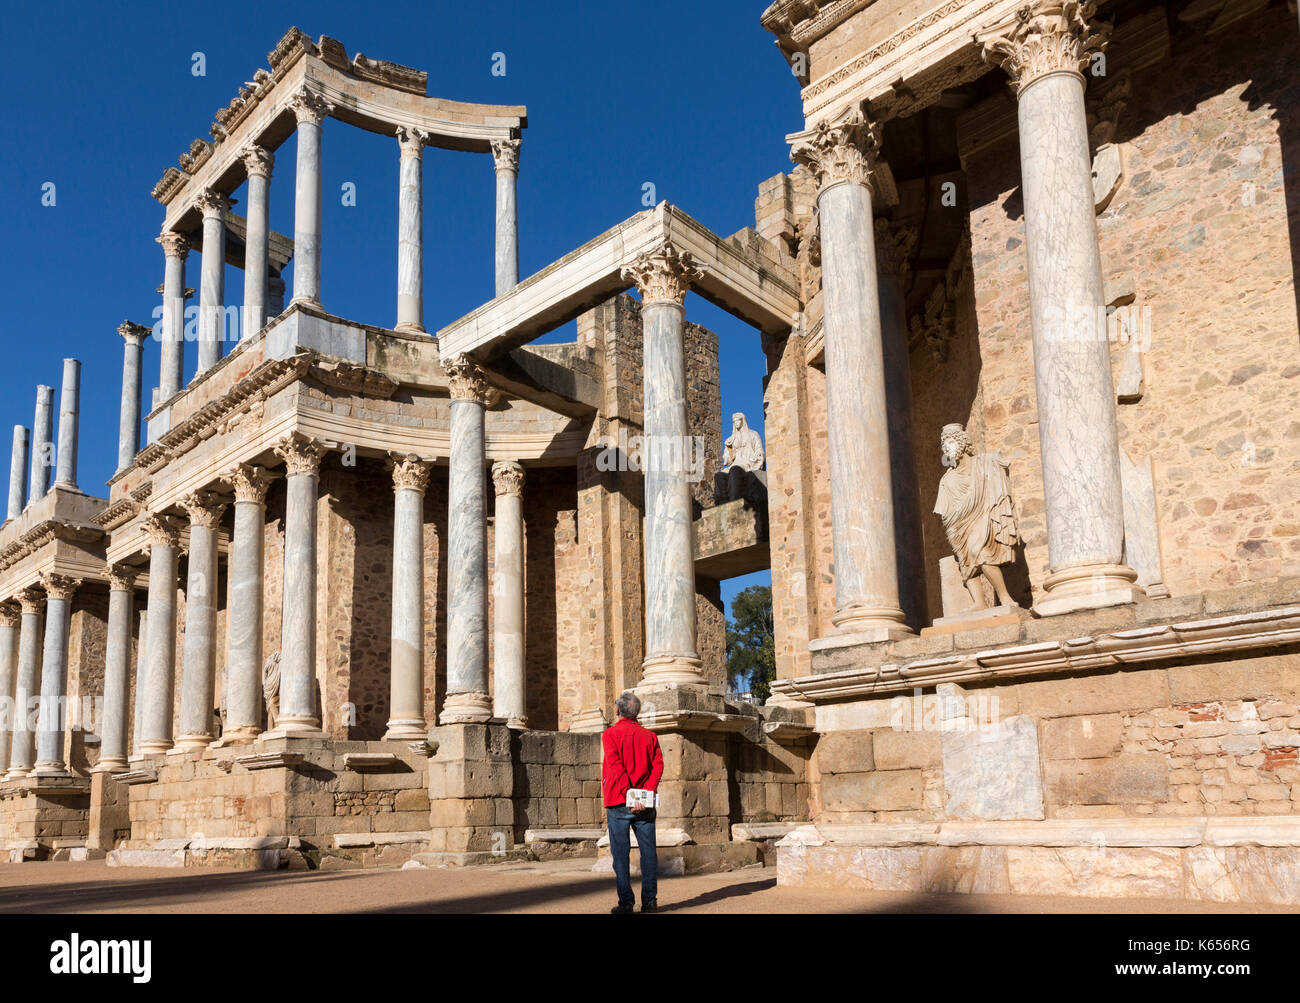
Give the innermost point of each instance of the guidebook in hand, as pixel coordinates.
(638, 798)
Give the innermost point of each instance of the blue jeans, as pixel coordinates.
(621, 819)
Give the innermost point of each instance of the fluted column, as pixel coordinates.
(42, 443)
(27, 685)
(467, 641)
(1045, 50)
(10, 617)
(258, 163)
(244, 618)
(406, 675)
(199, 670)
(410, 230)
(298, 689)
(128, 429)
(663, 276)
(52, 725)
(505, 155)
(172, 354)
(509, 698)
(113, 751)
(141, 667)
(842, 155)
(18, 473)
(310, 109)
(212, 285)
(163, 533)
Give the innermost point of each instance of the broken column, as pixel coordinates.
(18, 473)
(42, 443)
(69, 408)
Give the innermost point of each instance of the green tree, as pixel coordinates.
(751, 642)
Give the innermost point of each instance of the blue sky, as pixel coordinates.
(692, 97)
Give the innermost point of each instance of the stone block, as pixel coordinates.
(1142, 778)
(892, 790)
(1089, 736)
(845, 752)
(993, 771)
(1097, 693)
(904, 750)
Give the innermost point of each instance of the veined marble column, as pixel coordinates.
(508, 683)
(27, 685)
(18, 473)
(10, 617)
(141, 664)
(42, 443)
(244, 618)
(199, 671)
(128, 431)
(505, 154)
(663, 276)
(298, 688)
(160, 670)
(311, 109)
(172, 355)
(212, 284)
(467, 641)
(410, 230)
(1044, 51)
(406, 674)
(842, 154)
(113, 751)
(258, 163)
(52, 724)
(69, 419)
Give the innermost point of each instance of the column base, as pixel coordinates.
(874, 623)
(466, 708)
(588, 721)
(191, 742)
(1088, 586)
(517, 723)
(243, 735)
(157, 747)
(671, 670)
(115, 764)
(295, 727)
(406, 730)
(17, 773)
(410, 328)
(50, 769)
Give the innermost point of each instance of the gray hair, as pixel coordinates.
(629, 705)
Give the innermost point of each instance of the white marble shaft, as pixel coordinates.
(22, 748)
(410, 232)
(52, 724)
(307, 213)
(212, 285)
(113, 751)
(18, 473)
(243, 695)
(172, 354)
(128, 429)
(141, 667)
(857, 406)
(298, 693)
(256, 242)
(467, 612)
(199, 665)
(42, 443)
(159, 675)
(9, 621)
(1076, 398)
(406, 681)
(506, 155)
(508, 682)
(69, 419)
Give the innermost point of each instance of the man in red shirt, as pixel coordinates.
(632, 761)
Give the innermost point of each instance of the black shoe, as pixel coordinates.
(649, 906)
(619, 910)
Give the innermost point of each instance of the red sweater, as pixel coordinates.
(632, 760)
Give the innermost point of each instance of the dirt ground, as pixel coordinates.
(553, 887)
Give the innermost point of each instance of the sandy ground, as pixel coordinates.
(553, 887)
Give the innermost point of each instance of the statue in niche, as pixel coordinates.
(271, 689)
(974, 502)
(742, 455)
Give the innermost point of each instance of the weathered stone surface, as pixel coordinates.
(993, 772)
(845, 752)
(893, 790)
(1088, 736)
(904, 750)
(1134, 779)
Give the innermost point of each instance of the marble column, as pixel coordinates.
(172, 354)
(27, 684)
(128, 429)
(113, 751)
(69, 420)
(244, 618)
(406, 672)
(467, 697)
(10, 617)
(42, 443)
(410, 230)
(18, 473)
(258, 163)
(141, 664)
(310, 109)
(199, 668)
(663, 276)
(52, 725)
(842, 154)
(509, 698)
(274, 296)
(299, 713)
(505, 154)
(212, 284)
(160, 669)
(1045, 51)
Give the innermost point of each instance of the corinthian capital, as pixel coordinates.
(841, 149)
(11, 613)
(121, 577)
(468, 380)
(30, 600)
(204, 509)
(59, 586)
(409, 471)
(212, 203)
(1047, 36)
(508, 478)
(300, 455)
(505, 154)
(258, 161)
(663, 274)
(161, 530)
(174, 245)
(133, 333)
(308, 106)
(250, 482)
(411, 141)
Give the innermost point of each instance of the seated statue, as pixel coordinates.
(974, 502)
(742, 454)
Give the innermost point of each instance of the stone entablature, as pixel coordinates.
(56, 534)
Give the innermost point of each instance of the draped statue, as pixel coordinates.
(271, 689)
(742, 454)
